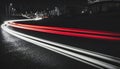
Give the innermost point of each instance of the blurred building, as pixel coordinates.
(102, 6)
(94, 1)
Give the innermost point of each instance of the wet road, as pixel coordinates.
(17, 53)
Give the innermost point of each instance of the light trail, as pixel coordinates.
(99, 55)
(66, 50)
(23, 20)
(91, 61)
(65, 32)
(70, 29)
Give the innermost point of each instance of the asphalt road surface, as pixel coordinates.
(25, 46)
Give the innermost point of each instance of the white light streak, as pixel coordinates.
(56, 48)
(63, 49)
(95, 54)
(10, 21)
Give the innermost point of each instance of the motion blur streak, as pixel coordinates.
(70, 29)
(65, 33)
(76, 56)
(24, 20)
(99, 55)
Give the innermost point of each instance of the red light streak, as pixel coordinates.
(67, 33)
(71, 30)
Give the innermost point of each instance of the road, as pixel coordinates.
(53, 47)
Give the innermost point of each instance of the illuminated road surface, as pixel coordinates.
(95, 59)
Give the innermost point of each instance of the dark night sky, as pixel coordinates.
(41, 2)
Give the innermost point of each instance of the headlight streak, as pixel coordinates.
(73, 55)
(46, 46)
(67, 33)
(99, 55)
(23, 20)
